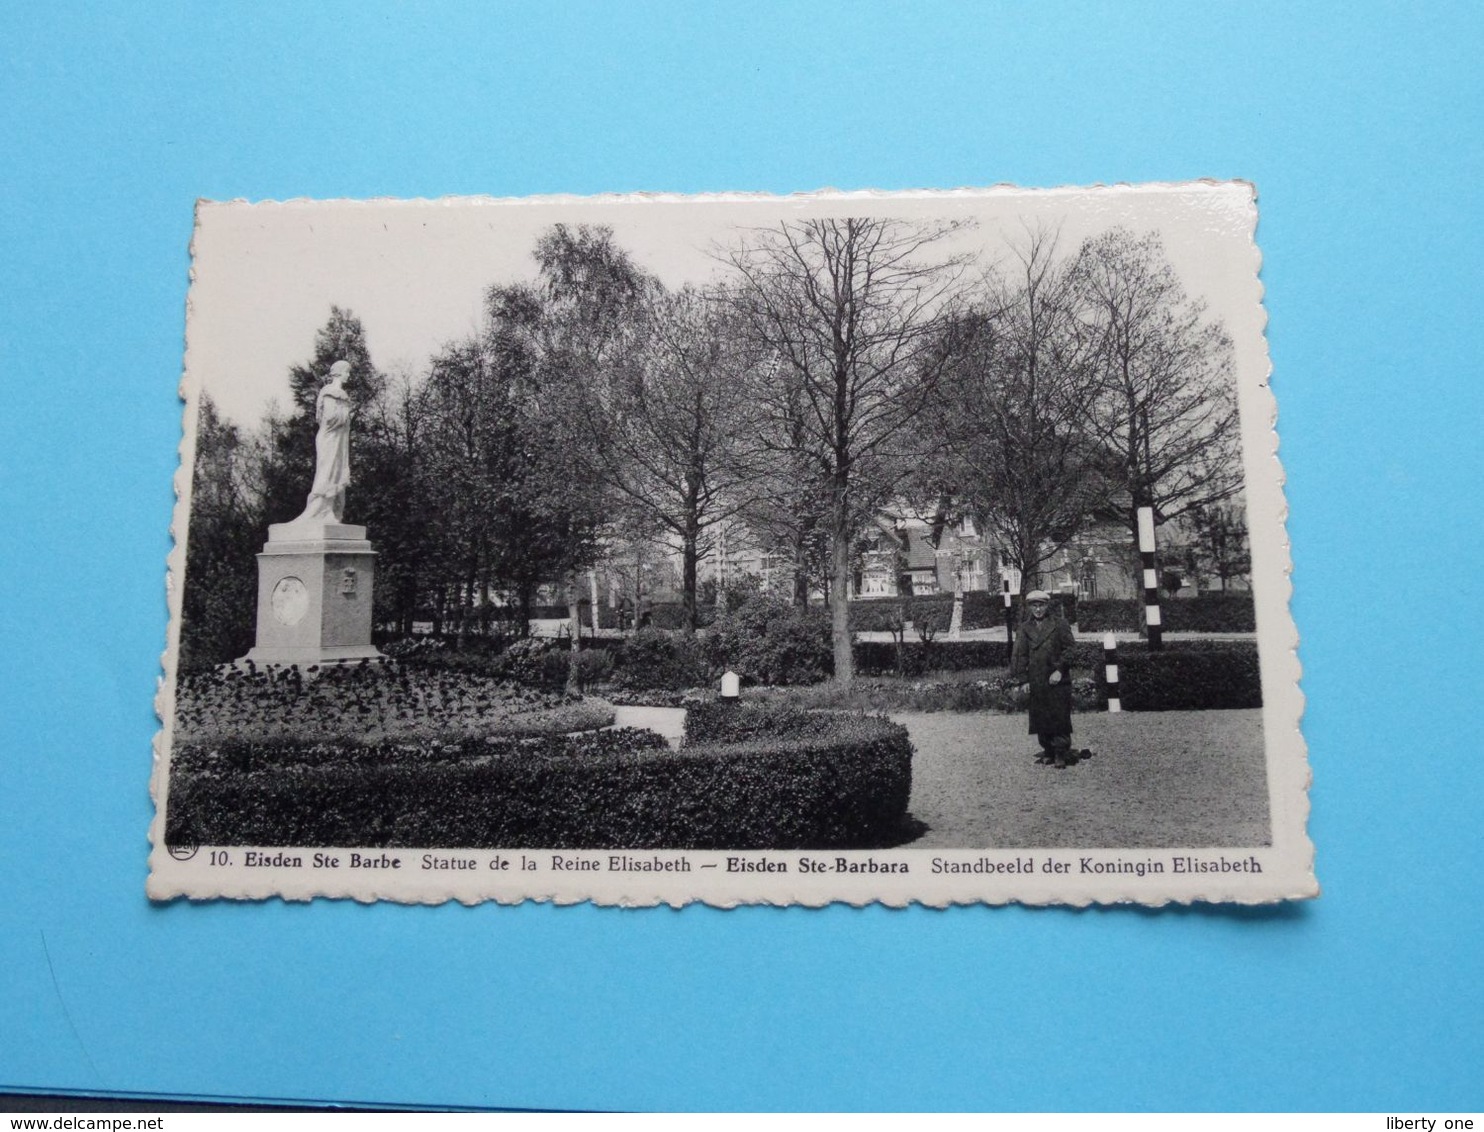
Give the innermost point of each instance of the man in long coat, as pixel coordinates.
(1041, 661)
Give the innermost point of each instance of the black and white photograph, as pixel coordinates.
(901, 547)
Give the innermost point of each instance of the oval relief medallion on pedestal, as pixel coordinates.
(290, 601)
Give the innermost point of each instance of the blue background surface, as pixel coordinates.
(1360, 127)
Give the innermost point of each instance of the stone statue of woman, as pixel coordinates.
(333, 411)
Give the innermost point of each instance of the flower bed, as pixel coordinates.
(371, 703)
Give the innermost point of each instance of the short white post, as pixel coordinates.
(731, 688)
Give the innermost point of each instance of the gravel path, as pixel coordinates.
(668, 721)
(1158, 779)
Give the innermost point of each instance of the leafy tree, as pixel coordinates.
(592, 297)
(394, 490)
(219, 599)
(469, 433)
(513, 497)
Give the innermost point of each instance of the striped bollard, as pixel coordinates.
(1110, 670)
(1151, 580)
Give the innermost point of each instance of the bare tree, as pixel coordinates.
(1166, 409)
(1015, 455)
(665, 423)
(787, 509)
(854, 310)
(1219, 545)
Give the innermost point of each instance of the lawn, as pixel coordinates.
(1157, 780)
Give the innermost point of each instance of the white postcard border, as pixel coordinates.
(1282, 870)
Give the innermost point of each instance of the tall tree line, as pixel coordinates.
(835, 367)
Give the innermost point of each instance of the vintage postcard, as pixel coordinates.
(900, 547)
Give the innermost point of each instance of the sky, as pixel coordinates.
(264, 275)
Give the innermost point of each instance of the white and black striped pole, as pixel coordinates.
(1110, 671)
(1151, 580)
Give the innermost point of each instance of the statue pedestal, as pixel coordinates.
(314, 596)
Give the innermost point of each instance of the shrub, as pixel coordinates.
(1186, 679)
(536, 662)
(590, 666)
(413, 648)
(983, 609)
(886, 614)
(766, 641)
(653, 659)
(624, 789)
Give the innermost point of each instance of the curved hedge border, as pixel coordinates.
(846, 784)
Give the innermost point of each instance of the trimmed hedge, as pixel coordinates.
(845, 786)
(877, 658)
(1088, 652)
(885, 614)
(1186, 679)
(1208, 613)
(743, 722)
(983, 609)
